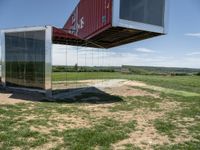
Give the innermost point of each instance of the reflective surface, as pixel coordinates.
(78, 68)
(25, 59)
(0, 57)
(144, 11)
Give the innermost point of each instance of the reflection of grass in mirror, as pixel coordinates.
(181, 83)
(62, 76)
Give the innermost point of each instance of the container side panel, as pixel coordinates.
(90, 17)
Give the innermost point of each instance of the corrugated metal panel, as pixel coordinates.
(90, 17)
(61, 36)
(60, 33)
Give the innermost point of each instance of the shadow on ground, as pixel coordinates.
(90, 95)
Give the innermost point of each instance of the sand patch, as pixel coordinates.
(5, 99)
(127, 91)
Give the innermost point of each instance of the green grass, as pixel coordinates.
(61, 76)
(191, 145)
(15, 128)
(131, 103)
(16, 132)
(131, 147)
(164, 127)
(103, 135)
(181, 83)
(188, 115)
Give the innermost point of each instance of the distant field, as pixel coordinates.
(62, 76)
(188, 83)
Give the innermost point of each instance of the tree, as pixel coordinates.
(76, 67)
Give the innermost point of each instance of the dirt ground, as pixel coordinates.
(6, 98)
(19, 97)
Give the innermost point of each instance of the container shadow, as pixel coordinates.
(89, 95)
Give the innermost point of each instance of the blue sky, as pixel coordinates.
(179, 48)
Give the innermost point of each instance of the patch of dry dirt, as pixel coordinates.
(15, 98)
(5, 99)
(127, 91)
(146, 135)
(134, 83)
(51, 145)
(61, 122)
(70, 121)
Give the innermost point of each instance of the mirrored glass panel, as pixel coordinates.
(144, 11)
(79, 69)
(25, 59)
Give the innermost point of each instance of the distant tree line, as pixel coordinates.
(135, 70)
(77, 68)
(143, 70)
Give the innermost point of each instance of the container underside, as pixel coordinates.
(117, 36)
(112, 37)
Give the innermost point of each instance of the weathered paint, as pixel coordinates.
(90, 17)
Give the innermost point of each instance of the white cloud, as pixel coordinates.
(193, 53)
(144, 50)
(193, 34)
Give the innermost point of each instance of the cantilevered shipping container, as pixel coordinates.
(27, 52)
(110, 23)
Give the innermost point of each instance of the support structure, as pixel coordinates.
(27, 52)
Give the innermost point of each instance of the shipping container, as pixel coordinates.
(110, 23)
(61, 36)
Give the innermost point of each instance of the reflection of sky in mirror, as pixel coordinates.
(71, 55)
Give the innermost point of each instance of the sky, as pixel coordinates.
(179, 48)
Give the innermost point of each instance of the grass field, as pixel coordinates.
(164, 116)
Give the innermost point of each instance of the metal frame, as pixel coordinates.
(48, 61)
(48, 56)
(3, 69)
(117, 22)
(0, 55)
